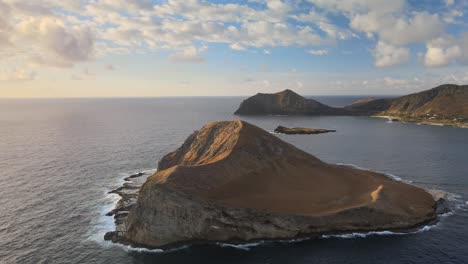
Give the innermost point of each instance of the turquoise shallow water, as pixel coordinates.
(58, 158)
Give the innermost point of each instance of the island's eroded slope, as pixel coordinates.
(233, 181)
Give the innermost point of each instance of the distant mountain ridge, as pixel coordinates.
(446, 103)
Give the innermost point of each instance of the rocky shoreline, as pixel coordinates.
(128, 193)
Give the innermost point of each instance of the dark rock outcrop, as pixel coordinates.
(232, 181)
(301, 130)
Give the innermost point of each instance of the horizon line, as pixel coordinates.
(190, 96)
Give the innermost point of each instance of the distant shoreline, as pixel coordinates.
(424, 121)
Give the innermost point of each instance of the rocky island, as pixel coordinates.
(286, 102)
(301, 130)
(232, 181)
(443, 105)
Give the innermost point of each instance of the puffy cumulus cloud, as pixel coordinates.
(445, 50)
(351, 7)
(420, 27)
(392, 25)
(62, 33)
(189, 55)
(237, 46)
(388, 55)
(59, 44)
(33, 33)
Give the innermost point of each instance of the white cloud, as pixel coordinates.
(359, 6)
(445, 50)
(388, 55)
(236, 46)
(318, 52)
(452, 15)
(390, 24)
(17, 75)
(189, 55)
(420, 27)
(63, 33)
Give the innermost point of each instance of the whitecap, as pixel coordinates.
(245, 246)
(351, 165)
(377, 233)
(154, 250)
(103, 223)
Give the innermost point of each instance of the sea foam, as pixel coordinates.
(379, 233)
(103, 223)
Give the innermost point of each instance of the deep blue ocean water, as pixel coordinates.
(60, 157)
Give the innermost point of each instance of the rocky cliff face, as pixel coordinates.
(232, 181)
(446, 100)
(449, 100)
(286, 102)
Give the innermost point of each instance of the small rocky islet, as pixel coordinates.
(301, 130)
(231, 181)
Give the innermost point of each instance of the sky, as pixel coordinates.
(139, 48)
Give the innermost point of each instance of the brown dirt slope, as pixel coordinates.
(241, 165)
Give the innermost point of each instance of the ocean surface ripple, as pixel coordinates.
(61, 157)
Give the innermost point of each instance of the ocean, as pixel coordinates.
(59, 158)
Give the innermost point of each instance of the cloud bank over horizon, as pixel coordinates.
(46, 38)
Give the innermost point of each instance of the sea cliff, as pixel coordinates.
(232, 181)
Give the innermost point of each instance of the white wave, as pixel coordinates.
(248, 246)
(394, 177)
(378, 233)
(397, 178)
(351, 165)
(104, 223)
(245, 246)
(155, 250)
(129, 248)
